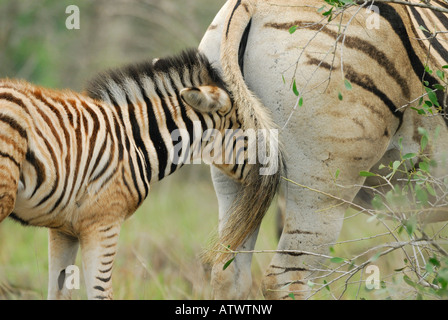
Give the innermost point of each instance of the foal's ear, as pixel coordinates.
(207, 99)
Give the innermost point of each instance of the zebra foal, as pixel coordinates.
(81, 164)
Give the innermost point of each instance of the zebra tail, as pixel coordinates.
(257, 191)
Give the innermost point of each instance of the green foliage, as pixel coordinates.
(416, 170)
(367, 174)
(428, 103)
(434, 283)
(296, 92)
(328, 14)
(337, 260)
(405, 192)
(292, 29)
(334, 6)
(406, 203)
(227, 264)
(294, 88)
(347, 84)
(339, 3)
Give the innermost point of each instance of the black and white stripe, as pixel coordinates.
(80, 143)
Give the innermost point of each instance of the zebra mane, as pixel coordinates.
(190, 59)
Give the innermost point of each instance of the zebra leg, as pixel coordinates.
(303, 244)
(62, 253)
(98, 248)
(280, 212)
(235, 281)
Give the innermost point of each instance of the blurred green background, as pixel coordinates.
(36, 45)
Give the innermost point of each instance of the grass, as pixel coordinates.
(159, 248)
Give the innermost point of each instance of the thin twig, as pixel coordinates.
(411, 4)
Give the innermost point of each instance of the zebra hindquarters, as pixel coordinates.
(13, 148)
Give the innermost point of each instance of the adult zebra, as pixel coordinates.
(326, 128)
(81, 164)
